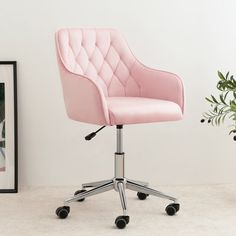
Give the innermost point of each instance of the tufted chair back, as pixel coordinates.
(103, 56)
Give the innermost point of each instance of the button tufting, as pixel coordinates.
(110, 59)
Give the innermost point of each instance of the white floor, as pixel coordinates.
(205, 210)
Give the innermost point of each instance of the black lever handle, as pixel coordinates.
(90, 136)
(93, 134)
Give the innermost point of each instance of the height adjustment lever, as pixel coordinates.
(93, 134)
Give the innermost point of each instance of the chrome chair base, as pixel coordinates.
(119, 183)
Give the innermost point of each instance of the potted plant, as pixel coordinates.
(224, 105)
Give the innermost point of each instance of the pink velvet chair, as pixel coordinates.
(104, 84)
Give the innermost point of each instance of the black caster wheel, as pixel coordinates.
(80, 191)
(142, 196)
(172, 208)
(63, 212)
(121, 221)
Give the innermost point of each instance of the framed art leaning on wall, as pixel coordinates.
(8, 127)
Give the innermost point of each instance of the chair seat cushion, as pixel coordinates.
(134, 110)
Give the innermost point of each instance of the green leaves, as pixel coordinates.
(234, 93)
(214, 99)
(222, 99)
(221, 75)
(233, 106)
(225, 104)
(209, 100)
(226, 83)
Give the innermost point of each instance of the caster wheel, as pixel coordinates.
(142, 196)
(63, 212)
(121, 221)
(80, 191)
(172, 208)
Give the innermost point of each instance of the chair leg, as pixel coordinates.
(99, 189)
(143, 189)
(122, 220)
(95, 184)
(139, 182)
(121, 190)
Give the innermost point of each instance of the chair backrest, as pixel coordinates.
(101, 55)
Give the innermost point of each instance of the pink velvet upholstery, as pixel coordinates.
(103, 83)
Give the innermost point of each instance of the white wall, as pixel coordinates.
(191, 38)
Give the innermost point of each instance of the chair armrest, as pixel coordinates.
(159, 84)
(83, 98)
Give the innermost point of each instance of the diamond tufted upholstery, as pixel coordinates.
(103, 83)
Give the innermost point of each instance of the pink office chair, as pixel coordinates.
(104, 84)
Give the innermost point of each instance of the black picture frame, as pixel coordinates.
(14, 189)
